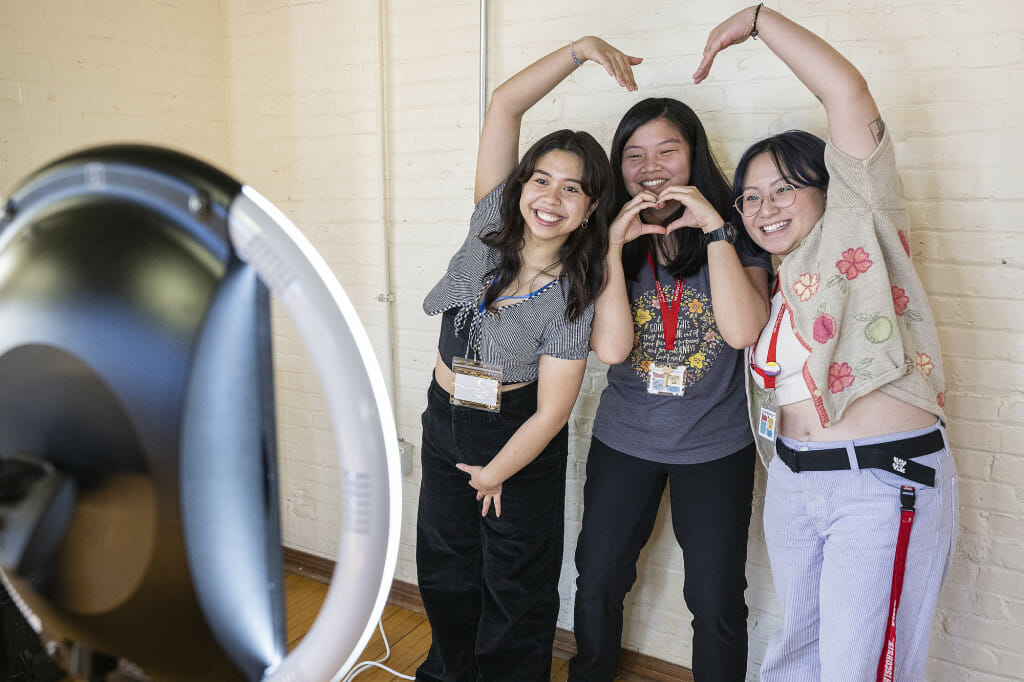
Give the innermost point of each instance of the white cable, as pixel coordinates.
(366, 665)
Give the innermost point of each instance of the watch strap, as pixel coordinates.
(726, 232)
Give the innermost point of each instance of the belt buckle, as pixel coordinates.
(907, 498)
(795, 466)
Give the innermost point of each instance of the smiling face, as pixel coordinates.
(552, 202)
(656, 156)
(779, 230)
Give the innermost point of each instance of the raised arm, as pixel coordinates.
(498, 153)
(854, 125)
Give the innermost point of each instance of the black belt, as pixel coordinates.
(895, 456)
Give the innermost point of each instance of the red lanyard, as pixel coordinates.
(771, 367)
(887, 661)
(669, 313)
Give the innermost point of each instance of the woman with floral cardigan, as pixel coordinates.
(845, 384)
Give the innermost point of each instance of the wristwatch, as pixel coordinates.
(726, 232)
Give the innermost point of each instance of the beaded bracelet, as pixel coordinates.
(572, 53)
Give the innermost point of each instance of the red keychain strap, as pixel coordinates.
(771, 366)
(669, 313)
(887, 661)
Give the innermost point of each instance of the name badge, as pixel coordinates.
(477, 384)
(667, 380)
(768, 423)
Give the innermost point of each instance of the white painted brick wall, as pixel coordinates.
(299, 123)
(301, 82)
(77, 74)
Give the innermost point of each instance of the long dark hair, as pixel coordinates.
(799, 156)
(705, 175)
(583, 252)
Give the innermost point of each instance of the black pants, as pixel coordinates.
(489, 585)
(710, 517)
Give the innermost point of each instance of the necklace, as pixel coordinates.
(524, 284)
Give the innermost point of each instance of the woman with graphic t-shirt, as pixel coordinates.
(674, 408)
(846, 382)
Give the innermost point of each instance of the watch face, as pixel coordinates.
(730, 233)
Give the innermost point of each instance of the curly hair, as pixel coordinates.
(583, 252)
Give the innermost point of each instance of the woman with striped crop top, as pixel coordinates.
(516, 305)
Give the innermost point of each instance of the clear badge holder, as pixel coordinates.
(477, 384)
(667, 380)
(768, 421)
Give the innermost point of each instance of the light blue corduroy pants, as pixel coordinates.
(831, 538)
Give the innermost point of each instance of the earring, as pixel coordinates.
(586, 221)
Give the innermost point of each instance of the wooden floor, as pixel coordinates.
(408, 633)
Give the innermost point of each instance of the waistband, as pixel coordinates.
(890, 454)
(523, 397)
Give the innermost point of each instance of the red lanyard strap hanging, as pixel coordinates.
(887, 661)
(669, 312)
(771, 367)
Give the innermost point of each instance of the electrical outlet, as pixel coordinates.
(405, 451)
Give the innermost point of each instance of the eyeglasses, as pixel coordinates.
(750, 203)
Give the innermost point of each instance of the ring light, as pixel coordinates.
(134, 344)
(367, 442)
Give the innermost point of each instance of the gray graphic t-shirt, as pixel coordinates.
(709, 420)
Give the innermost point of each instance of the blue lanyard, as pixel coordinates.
(480, 308)
(473, 342)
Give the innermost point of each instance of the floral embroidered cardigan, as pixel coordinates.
(856, 301)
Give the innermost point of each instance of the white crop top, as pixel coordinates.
(790, 355)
